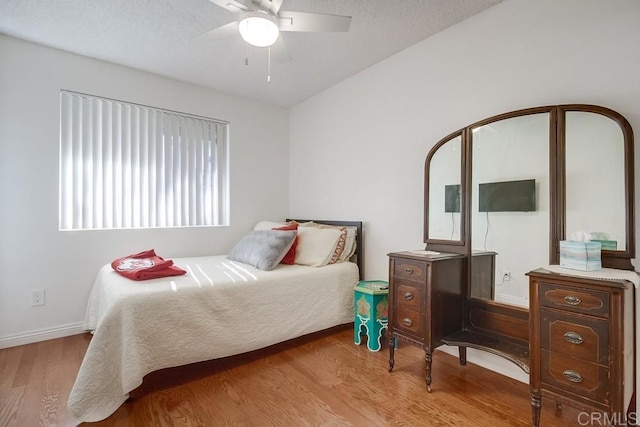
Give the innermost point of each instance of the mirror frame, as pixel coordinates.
(620, 259)
(454, 246)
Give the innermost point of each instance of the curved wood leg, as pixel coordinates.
(462, 352)
(536, 403)
(392, 347)
(428, 358)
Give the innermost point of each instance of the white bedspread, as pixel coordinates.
(218, 309)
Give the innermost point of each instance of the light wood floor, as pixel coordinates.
(321, 380)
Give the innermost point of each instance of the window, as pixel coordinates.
(125, 165)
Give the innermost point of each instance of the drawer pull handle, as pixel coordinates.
(571, 300)
(573, 337)
(407, 322)
(408, 270)
(408, 296)
(572, 376)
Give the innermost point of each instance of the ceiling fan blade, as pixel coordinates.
(231, 5)
(313, 22)
(223, 31)
(279, 51)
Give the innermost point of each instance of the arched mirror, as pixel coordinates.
(444, 184)
(510, 205)
(597, 144)
(585, 133)
(527, 180)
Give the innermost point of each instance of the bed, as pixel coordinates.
(220, 307)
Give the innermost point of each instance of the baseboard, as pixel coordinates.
(41, 335)
(512, 300)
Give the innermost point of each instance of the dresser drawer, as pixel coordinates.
(410, 270)
(410, 321)
(408, 296)
(578, 300)
(575, 335)
(585, 379)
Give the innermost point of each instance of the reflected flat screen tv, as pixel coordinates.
(508, 196)
(452, 198)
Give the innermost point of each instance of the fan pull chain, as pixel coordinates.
(269, 65)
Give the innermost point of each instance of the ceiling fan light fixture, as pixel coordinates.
(259, 29)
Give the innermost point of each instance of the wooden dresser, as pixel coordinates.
(581, 343)
(425, 301)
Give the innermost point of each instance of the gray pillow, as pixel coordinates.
(263, 249)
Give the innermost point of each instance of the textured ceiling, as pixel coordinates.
(161, 36)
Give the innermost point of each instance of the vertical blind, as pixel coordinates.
(125, 165)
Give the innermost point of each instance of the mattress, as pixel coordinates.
(219, 308)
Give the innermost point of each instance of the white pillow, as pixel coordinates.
(316, 245)
(268, 225)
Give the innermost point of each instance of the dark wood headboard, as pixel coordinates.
(359, 254)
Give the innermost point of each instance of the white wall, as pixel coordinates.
(358, 149)
(34, 254)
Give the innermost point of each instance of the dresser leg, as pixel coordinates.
(392, 347)
(536, 403)
(428, 359)
(462, 352)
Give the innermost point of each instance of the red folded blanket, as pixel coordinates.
(145, 265)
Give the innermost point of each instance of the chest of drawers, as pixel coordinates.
(425, 301)
(581, 343)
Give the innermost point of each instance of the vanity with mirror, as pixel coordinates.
(502, 193)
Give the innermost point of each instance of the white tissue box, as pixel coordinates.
(583, 256)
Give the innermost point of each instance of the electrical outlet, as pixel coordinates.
(37, 297)
(506, 276)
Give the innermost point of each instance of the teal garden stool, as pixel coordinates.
(371, 312)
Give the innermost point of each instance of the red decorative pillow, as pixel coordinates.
(290, 256)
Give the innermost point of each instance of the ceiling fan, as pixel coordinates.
(261, 21)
